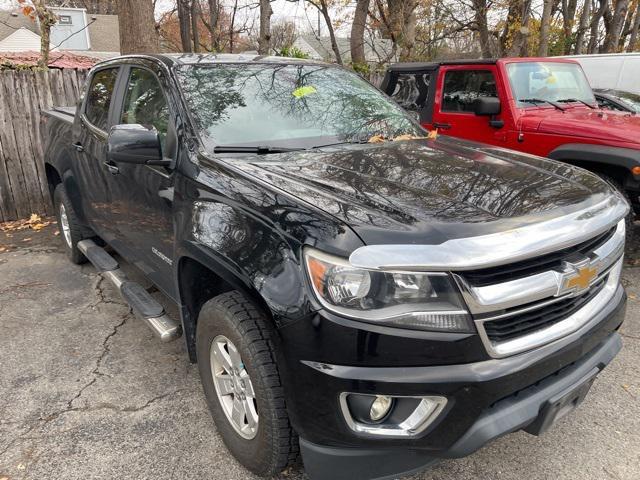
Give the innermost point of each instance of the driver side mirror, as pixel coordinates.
(488, 106)
(136, 144)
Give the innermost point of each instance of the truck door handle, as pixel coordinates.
(112, 168)
(442, 126)
(78, 146)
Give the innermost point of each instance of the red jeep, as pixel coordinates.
(542, 106)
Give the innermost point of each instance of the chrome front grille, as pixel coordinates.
(516, 324)
(564, 291)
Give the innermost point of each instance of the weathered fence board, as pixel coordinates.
(23, 96)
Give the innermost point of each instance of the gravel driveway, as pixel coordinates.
(86, 391)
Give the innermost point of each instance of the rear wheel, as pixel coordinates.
(242, 384)
(71, 230)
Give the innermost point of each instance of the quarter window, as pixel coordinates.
(99, 98)
(463, 87)
(145, 103)
(411, 90)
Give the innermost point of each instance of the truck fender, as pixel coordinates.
(234, 251)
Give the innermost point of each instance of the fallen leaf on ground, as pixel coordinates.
(56, 233)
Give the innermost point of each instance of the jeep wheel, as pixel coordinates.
(629, 220)
(242, 385)
(70, 229)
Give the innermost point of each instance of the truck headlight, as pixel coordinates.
(423, 301)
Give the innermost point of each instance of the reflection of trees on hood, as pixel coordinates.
(341, 104)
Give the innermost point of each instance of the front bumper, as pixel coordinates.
(483, 404)
(508, 415)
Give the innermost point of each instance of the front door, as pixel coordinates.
(458, 88)
(142, 195)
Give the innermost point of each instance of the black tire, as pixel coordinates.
(275, 445)
(629, 220)
(76, 231)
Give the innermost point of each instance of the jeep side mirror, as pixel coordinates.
(133, 143)
(488, 106)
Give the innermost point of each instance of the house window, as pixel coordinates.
(65, 20)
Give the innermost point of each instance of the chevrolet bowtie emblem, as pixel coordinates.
(581, 278)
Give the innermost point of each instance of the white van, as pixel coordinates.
(618, 71)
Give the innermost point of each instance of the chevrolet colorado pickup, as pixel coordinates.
(368, 307)
(542, 106)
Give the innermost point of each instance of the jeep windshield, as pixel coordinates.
(287, 106)
(540, 83)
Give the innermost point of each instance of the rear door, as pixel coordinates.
(90, 142)
(458, 87)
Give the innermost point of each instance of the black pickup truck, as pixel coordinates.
(353, 292)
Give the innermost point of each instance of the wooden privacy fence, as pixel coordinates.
(23, 96)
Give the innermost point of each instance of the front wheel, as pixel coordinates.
(242, 384)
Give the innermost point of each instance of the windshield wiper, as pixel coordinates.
(535, 101)
(570, 100)
(260, 150)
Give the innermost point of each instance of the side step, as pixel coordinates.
(143, 304)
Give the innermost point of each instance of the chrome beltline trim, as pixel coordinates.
(557, 330)
(496, 249)
(537, 287)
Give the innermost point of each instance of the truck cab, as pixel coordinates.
(538, 106)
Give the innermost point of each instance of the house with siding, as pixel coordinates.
(75, 31)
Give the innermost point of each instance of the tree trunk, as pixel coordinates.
(626, 29)
(214, 28)
(264, 40)
(47, 19)
(324, 10)
(194, 25)
(184, 19)
(482, 25)
(232, 25)
(595, 22)
(545, 24)
(615, 26)
(634, 30)
(516, 30)
(137, 27)
(357, 32)
(582, 28)
(568, 19)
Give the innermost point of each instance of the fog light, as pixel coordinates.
(380, 407)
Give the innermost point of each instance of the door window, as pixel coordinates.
(99, 97)
(411, 90)
(145, 103)
(463, 87)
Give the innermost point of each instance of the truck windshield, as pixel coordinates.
(288, 106)
(534, 83)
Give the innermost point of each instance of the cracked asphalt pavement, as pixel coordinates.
(87, 391)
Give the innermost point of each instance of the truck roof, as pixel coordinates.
(172, 59)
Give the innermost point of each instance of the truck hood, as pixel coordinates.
(427, 191)
(585, 122)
